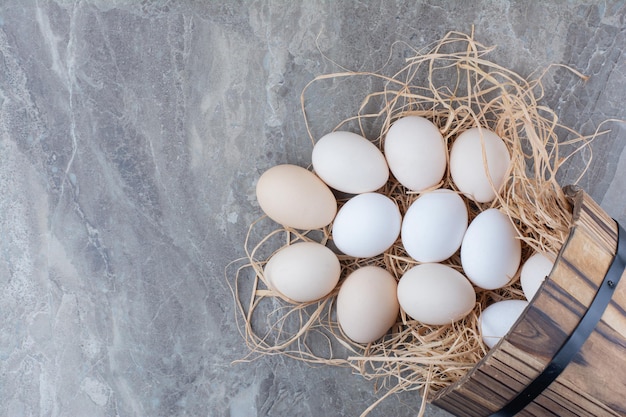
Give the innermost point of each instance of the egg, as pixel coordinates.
(303, 272)
(474, 153)
(350, 163)
(533, 273)
(366, 225)
(490, 251)
(416, 152)
(435, 294)
(295, 197)
(367, 305)
(496, 320)
(434, 225)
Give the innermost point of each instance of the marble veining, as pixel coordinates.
(131, 137)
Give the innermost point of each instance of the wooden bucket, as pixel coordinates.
(566, 355)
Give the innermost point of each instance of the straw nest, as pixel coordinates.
(455, 86)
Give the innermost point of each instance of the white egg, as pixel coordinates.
(303, 272)
(533, 273)
(367, 305)
(475, 153)
(366, 225)
(295, 197)
(496, 320)
(349, 163)
(434, 225)
(416, 152)
(435, 294)
(490, 252)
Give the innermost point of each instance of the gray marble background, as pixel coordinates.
(131, 137)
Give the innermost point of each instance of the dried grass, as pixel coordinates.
(457, 87)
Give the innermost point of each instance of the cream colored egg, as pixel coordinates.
(435, 294)
(434, 225)
(496, 320)
(303, 272)
(367, 305)
(491, 251)
(367, 225)
(295, 197)
(349, 163)
(415, 152)
(475, 153)
(533, 273)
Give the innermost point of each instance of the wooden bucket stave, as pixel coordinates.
(594, 383)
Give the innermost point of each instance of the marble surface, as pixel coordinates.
(131, 137)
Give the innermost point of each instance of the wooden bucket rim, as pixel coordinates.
(576, 198)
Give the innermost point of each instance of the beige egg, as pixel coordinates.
(475, 153)
(367, 305)
(435, 294)
(295, 197)
(349, 163)
(303, 272)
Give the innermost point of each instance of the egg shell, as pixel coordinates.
(468, 167)
(533, 273)
(367, 305)
(434, 225)
(490, 252)
(350, 163)
(303, 272)
(416, 152)
(435, 294)
(366, 225)
(496, 320)
(295, 197)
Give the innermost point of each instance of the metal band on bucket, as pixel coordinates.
(581, 333)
